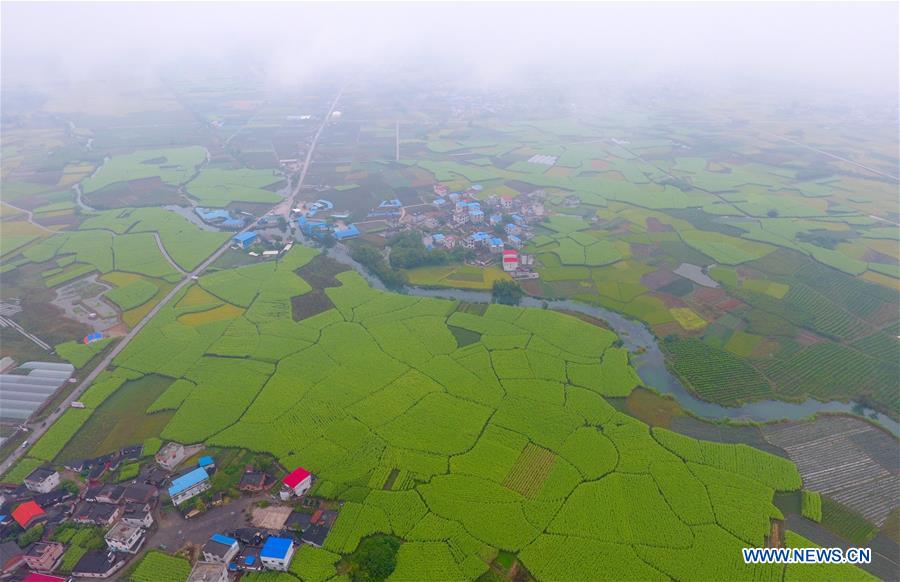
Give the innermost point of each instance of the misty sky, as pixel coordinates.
(811, 45)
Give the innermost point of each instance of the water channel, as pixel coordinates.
(650, 363)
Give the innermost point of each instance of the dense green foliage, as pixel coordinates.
(458, 452)
(811, 505)
(506, 292)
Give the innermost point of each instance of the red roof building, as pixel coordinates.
(27, 513)
(35, 577)
(510, 260)
(298, 481)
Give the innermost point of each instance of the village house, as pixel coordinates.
(207, 572)
(28, 514)
(170, 456)
(297, 482)
(254, 481)
(276, 553)
(35, 577)
(220, 549)
(11, 557)
(108, 493)
(189, 485)
(98, 564)
(54, 498)
(42, 480)
(125, 537)
(319, 525)
(140, 493)
(510, 261)
(93, 513)
(44, 556)
(138, 514)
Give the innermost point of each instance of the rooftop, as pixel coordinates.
(203, 572)
(187, 480)
(244, 236)
(295, 477)
(40, 474)
(121, 532)
(276, 548)
(205, 461)
(25, 512)
(219, 538)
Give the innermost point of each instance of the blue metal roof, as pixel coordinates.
(248, 560)
(205, 461)
(187, 480)
(225, 540)
(276, 548)
(245, 236)
(496, 241)
(348, 232)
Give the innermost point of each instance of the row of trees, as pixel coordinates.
(408, 252)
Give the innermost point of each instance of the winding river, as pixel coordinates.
(650, 362)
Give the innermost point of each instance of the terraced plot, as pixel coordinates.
(484, 461)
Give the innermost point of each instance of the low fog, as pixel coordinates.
(802, 47)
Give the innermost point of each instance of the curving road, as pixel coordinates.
(39, 428)
(165, 253)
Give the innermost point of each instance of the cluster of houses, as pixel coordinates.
(125, 509)
(257, 549)
(464, 218)
(125, 512)
(311, 223)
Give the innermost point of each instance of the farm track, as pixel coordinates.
(165, 253)
(39, 428)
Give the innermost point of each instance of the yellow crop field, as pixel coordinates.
(686, 317)
(227, 311)
(197, 296)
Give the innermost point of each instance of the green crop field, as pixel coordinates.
(173, 166)
(504, 444)
(492, 441)
(156, 565)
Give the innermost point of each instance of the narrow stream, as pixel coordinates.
(651, 364)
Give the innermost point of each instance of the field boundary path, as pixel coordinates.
(38, 428)
(30, 217)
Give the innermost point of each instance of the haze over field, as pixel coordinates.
(847, 46)
(450, 291)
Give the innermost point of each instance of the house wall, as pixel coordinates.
(45, 486)
(190, 492)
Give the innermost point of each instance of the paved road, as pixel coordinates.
(290, 200)
(831, 155)
(39, 428)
